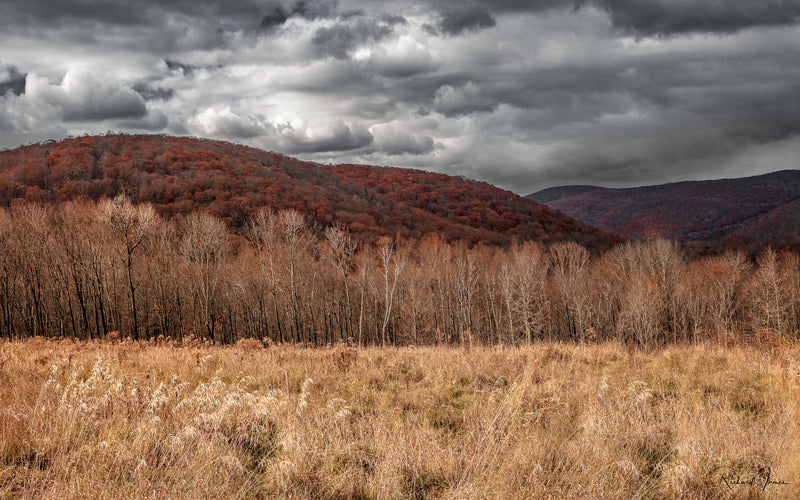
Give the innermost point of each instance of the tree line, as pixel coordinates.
(91, 270)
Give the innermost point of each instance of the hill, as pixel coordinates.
(179, 175)
(763, 209)
(559, 192)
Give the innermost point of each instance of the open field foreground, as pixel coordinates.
(143, 420)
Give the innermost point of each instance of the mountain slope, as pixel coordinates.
(179, 175)
(764, 208)
(781, 223)
(559, 192)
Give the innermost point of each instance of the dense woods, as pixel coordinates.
(114, 268)
(181, 175)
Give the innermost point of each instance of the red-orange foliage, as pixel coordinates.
(179, 175)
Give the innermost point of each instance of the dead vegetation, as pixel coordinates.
(162, 420)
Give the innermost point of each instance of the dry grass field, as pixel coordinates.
(156, 420)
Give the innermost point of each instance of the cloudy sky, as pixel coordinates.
(524, 94)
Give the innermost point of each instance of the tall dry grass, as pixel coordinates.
(146, 420)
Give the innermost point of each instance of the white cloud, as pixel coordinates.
(82, 96)
(402, 57)
(221, 121)
(336, 136)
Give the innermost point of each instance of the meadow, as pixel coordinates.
(123, 419)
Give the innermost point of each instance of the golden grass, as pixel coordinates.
(114, 420)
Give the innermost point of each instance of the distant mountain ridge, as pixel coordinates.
(763, 208)
(179, 175)
(561, 192)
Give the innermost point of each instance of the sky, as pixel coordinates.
(523, 94)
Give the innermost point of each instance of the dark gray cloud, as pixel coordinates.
(341, 38)
(467, 18)
(186, 69)
(393, 19)
(308, 9)
(643, 17)
(153, 121)
(405, 144)
(56, 13)
(11, 80)
(340, 137)
(668, 17)
(275, 18)
(504, 6)
(150, 93)
(315, 9)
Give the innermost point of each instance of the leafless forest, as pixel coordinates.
(89, 271)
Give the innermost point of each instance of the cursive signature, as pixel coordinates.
(762, 478)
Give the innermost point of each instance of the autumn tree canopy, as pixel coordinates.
(179, 175)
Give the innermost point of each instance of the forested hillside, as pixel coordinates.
(181, 175)
(763, 209)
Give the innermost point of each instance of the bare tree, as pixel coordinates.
(31, 261)
(417, 304)
(660, 261)
(131, 223)
(465, 285)
(391, 265)
(79, 244)
(506, 277)
(341, 252)
(164, 273)
(205, 246)
(264, 231)
(790, 271)
(366, 267)
(766, 290)
(8, 275)
(529, 280)
(294, 232)
(724, 279)
(523, 280)
(435, 257)
(569, 265)
(641, 307)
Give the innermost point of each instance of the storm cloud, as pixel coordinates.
(668, 17)
(308, 9)
(341, 38)
(82, 96)
(467, 18)
(12, 81)
(523, 94)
